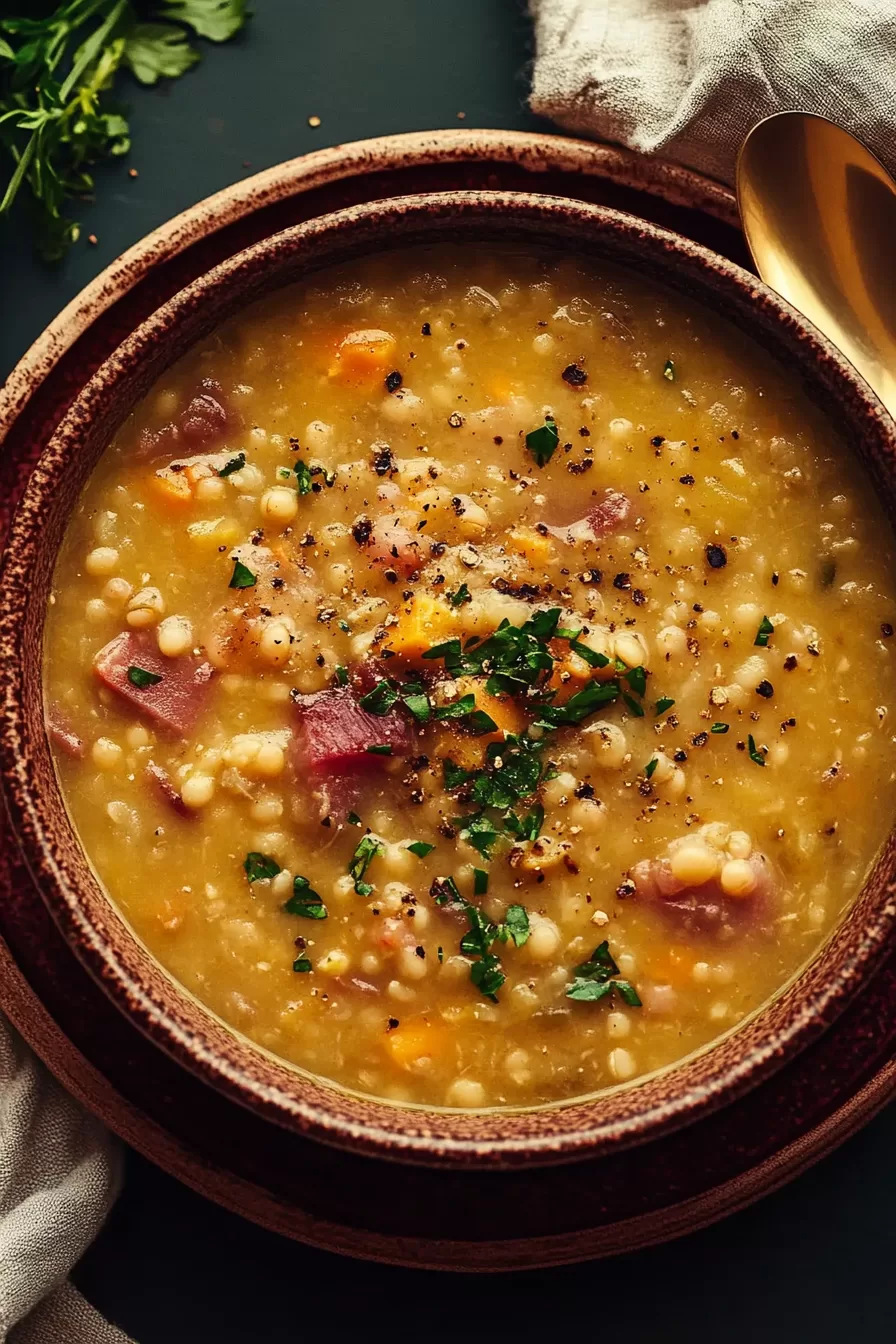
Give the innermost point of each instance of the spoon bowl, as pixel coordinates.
(819, 214)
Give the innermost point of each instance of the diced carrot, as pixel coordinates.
(674, 966)
(505, 711)
(414, 1040)
(171, 487)
(363, 355)
(531, 545)
(425, 621)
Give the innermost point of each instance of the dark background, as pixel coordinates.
(811, 1263)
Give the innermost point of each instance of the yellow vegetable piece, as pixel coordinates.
(424, 622)
(531, 545)
(171, 487)
(363, 355)
(414, 1040)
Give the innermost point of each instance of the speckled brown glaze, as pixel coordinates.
(616, 1120)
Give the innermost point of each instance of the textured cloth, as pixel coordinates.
(687, 79)
(59, 1173)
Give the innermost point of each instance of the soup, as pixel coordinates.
(468, 672)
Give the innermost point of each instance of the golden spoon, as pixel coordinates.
(819, 213)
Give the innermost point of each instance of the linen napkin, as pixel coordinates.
(687, 79)
(59, 1174)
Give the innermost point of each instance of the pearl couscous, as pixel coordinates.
(469, 673)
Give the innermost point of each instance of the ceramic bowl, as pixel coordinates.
(100, 937)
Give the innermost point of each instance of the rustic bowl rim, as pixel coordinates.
(168, 1013)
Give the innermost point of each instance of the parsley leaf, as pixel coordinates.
(462, 595)
(341, 675)
(764, 633)
(488, 976)
(258, 866)
(303, 477)
(480, 882)
(663, 704)
(241, 577)
(154, 50)
(235, 464)
(215, 19)
(719, 728)
(380, 749)
(637, 679)
(304, 901)
(139, 677)
(597, 978)
(517, 923)
(650, 767)
(753, 751)
(301, 964)
(368, 849)
(542, 442)
(421, 848)
(380, 700)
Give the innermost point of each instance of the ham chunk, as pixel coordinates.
(204, 420)
(704, 910)
(608, 513)
(173, 703)
(332, 741)
(63, 738)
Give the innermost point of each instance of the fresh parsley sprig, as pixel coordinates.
(58, 116)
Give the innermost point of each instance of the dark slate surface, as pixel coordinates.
(811, 1263)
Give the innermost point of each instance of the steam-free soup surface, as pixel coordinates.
(469, 673)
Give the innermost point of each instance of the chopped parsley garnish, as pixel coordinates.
(258, 866)
(368, 849)
(303, 477)
(462, 595)
(457, 709)
(139, 677)
(480, 881)
(235, 464)
(415, 699)
(516, 921)
(304, 901)
(353, 819)
(650, 767)
(598, 978)
(479, 832)
(487, 976)
(380, 700)
(765, 631)
(241, 576)
(634, 707)
(663, 704)
(753, 751)
(719, 728)
(301, 964)
(454, 776)
(669, 371)
(593, 696)
(637, 679)
(542, 442)
(421, 848)
(381, 749)
(341, 675)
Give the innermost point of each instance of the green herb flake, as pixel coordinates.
(458, 709)
(542, 442)
(764, 633)
(353, 819)
(650, 767)
(304, 901)
(139, 677)
(259, 866)
(367, 850)
(598, 978)
(235, 464)
(341, 675)
(415, 699)
(637, 679)
(462, 595)
(720, 728)
(516, 922)
(487, 976)
(241, 576)
(440, 953)
(421, 848)
(634, 707)
(664, 703)
(303, 477)
(753, 751)
(381, 749)
(302, 965)
(380, 700)
(669, 371)
(454, 776)
(480, 881)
